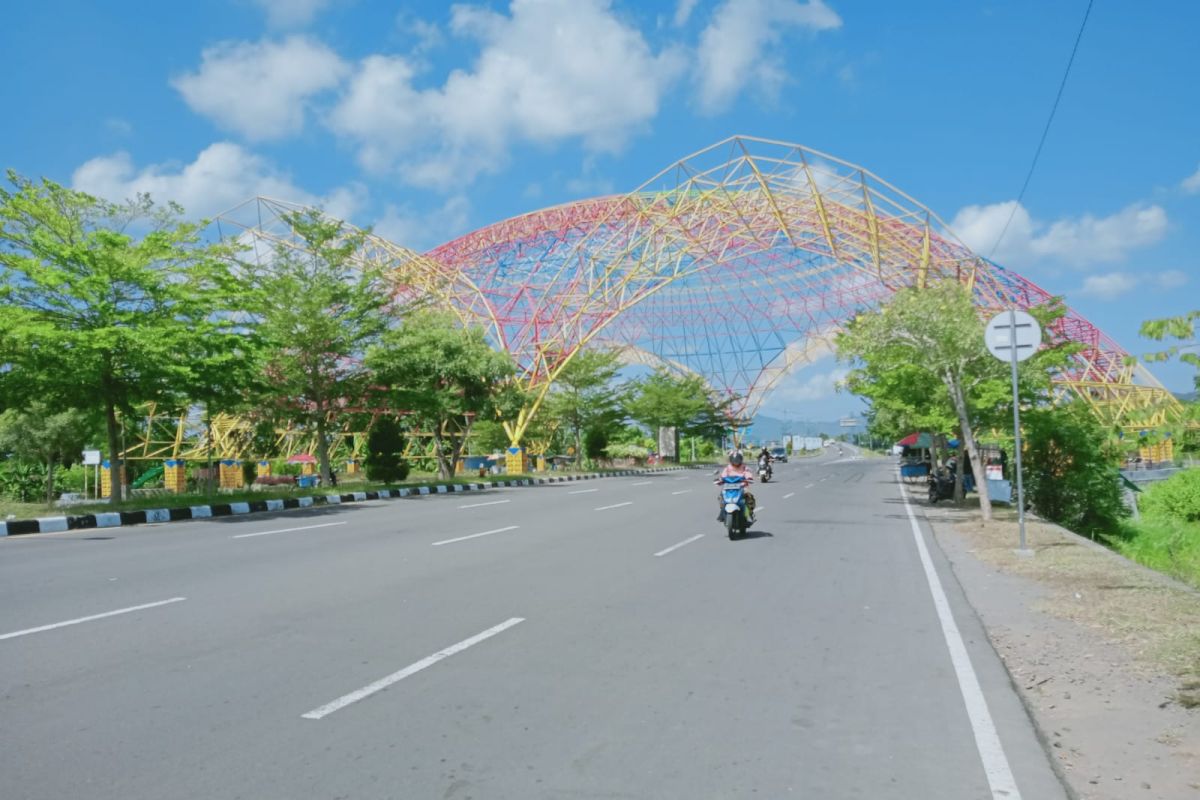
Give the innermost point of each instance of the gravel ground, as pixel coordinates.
(1104, 652)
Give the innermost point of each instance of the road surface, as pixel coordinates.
(599, 639)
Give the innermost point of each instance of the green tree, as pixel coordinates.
(922, 362)
(385, 451)
(1180, 329)
(1070, 469)
(43, 435)
(684, 402)
(585, 398)
(447, 376)
(318, 308)
(106, 306)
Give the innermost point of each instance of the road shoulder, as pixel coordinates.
(1098, 649)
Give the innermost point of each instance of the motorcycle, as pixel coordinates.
(733, 495)
(941, 486)
(764, 470)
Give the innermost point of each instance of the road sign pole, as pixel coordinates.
(1012, 321)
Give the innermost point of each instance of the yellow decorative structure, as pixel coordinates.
(230, 474)
(175, 476)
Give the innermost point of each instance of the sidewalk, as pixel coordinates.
(1104, 652)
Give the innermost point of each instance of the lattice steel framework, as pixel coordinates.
(737, 263)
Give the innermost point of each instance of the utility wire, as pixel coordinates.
(1045, 131)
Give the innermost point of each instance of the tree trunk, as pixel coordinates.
(458, 443)
(49, 481)
(210, 480)
(440, 451)
(323, 452)
(968, 441)
(958, 471)
(114, 458)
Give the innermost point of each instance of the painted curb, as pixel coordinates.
(114, 519)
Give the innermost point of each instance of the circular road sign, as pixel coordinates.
(1011, 330)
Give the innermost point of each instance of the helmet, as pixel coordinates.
(735, 458)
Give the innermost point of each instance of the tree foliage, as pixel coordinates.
(684, 402)
(317, 310)
(385, 451)
(105, 306)
(923, 364)
(42, 435)
(1181, 329)
(587, 400)
(1070, 469)
(447, 376)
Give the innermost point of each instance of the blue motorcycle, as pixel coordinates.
(733, 495)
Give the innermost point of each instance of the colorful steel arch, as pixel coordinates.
(738, 263)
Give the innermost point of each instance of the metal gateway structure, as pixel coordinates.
(738, 263)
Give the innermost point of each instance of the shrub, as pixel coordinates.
(385, 446)
(1070, 474)
(594, 443)
(22, 482)
(626, 450)
(1177, 498)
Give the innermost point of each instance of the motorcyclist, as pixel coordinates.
(736, 468)
(764, 461)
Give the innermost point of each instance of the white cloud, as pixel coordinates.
(738, 46)
(1108, 286)
(1114, 285)
(291, 13)
(683, 12)
(261, 89)
(223, 175)
(421, 231)
(118, 126)
(1191, 184)
(1172, 279)
(1077, 241)
(548, 71)
(804, 385)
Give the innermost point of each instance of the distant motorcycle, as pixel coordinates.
(764, 470)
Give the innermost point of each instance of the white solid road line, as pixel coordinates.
(476, 535)
(987, 740)
(489, 503)
(641, 483)
(684, 478)
(287, 530)
(411, 669)
(789, 494)
(129, 610)
(583, 491)
(679, 545)
(685, 491)
(614, 505)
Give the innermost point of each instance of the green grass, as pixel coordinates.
(345, 486)
(1169, 546)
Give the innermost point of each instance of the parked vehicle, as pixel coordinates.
(941, 486)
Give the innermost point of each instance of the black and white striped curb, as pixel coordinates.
(114, 519)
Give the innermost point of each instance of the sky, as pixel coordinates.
(428, 120)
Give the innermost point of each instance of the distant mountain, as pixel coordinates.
(1188, 397)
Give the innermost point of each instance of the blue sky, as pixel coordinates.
(428, 120)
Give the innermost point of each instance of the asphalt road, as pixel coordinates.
(582, 643)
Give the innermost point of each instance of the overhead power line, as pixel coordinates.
(1045, 131)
